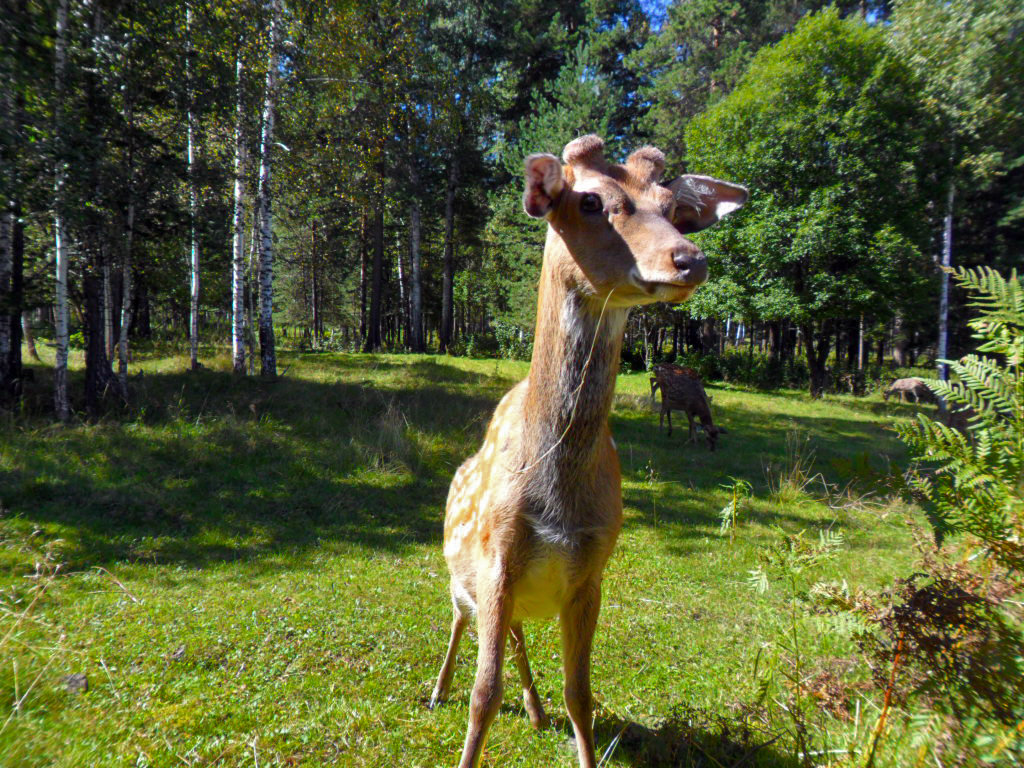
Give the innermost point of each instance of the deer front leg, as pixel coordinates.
(444, 679)
(531, 700)
(693, 429)
(494, 613)
(579, 618)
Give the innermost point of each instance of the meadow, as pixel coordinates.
(250, 573)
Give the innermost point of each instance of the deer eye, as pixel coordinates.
(591, 203)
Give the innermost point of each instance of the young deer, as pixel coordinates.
(684, 393)
(533, 516)
(671, 369)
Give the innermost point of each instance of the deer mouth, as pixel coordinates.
(672, 288)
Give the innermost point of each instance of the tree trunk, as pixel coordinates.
(362, 279)
(947, 262)
(318, 322)
(817, 355)
(126, 294)
(11, 268)
(127, 289)
(98, 375)
(30, 339)
(108, 310)
(403, 295)
(238, 235)
(268, 354)
(899, 342)
(860, 344)
(10, 260)
(62, 404)
(373, 331)
(416, 277)
(445, 332)
(193, 313)
(143, 324)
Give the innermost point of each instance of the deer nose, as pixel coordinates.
(691, 263)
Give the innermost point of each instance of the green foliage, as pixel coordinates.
(739, 490)
(826, 130)
(972, 480)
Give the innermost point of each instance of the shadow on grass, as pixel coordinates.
(204, 466)
(687, 738)
(692, 739)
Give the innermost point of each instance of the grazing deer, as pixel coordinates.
(533, 516)
(671, 369)
(686, 393)
(905, 387)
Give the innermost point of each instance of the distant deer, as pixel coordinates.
(533, 516)
(910, 386)
(685, 393)
(671, 369)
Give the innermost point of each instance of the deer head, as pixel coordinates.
(616, 229)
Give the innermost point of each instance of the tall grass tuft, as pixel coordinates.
(788, 481)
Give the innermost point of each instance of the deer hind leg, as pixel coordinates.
(493, 620)
(531, 700)
(579, 618)
(444, 679)
(668, 414)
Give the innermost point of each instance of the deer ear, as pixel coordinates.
(544, 185)
(702, 200)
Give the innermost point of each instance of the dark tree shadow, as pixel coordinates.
(205, 466)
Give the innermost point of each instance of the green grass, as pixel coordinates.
(251, 572)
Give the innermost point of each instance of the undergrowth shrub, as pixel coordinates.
(945, 645)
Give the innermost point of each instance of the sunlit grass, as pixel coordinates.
(252, 571)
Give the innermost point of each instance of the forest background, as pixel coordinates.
(347, 174)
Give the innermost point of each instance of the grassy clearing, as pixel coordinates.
(251, 573)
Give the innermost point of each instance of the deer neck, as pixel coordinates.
(572, 374)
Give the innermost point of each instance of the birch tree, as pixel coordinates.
(268, 356)
(967, 53)
(238, 235)
(127, 287)
(193, 313)
(62, 404)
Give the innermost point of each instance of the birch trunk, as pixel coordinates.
(127, 288)
(268, 355)
(947, 262)
(237, 246)
(108, 310)
(193, 262)
(403, 303)
(362, 278)
(62, 405)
